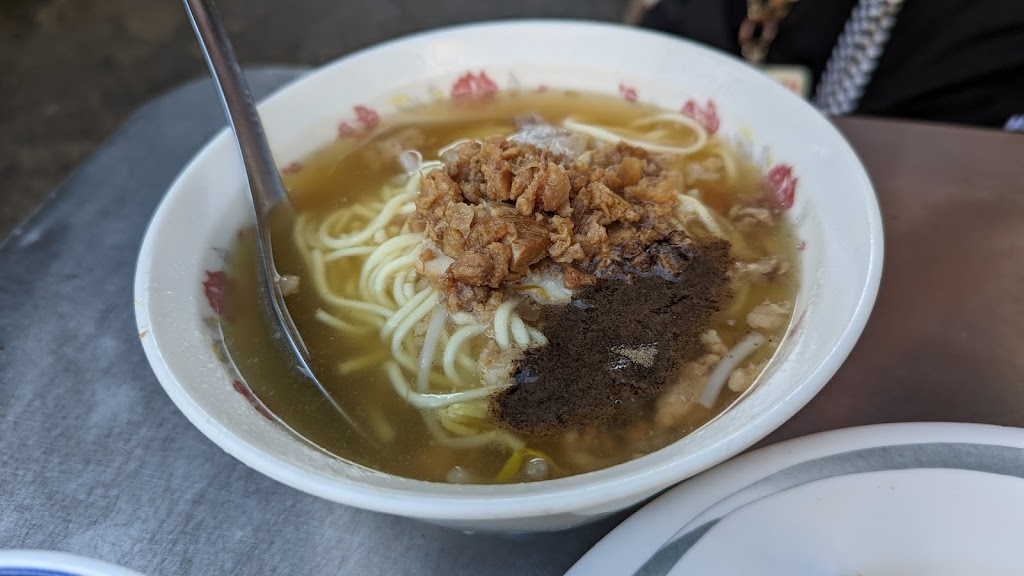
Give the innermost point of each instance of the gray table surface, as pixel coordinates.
(94, 457)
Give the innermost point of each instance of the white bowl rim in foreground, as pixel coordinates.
(55, 563)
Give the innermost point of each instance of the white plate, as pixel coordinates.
(921, 499)
(49, 563)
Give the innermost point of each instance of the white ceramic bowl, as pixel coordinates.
(834, 209)
(52, 563)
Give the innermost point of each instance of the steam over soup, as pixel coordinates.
(527, 287)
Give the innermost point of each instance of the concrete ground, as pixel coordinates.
(72, 70)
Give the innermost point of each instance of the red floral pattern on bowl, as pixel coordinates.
(782, 183)
(365, 119)
(215, 287)
(627, 92)
(706, 115)
(471, 85)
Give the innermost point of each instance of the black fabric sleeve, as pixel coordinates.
(947, 60)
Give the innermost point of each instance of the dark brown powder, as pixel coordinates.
(620, 342)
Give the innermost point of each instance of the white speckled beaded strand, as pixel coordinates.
(855, 56)
(1015, 123)
(853, 59)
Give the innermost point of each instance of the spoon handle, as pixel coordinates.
(265, 186)
(239, 107)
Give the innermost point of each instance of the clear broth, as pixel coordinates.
(347, 171)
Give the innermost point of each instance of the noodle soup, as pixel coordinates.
(520, 288)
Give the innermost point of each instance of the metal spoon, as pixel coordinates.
(268, 193)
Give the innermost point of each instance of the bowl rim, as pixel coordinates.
(564, 495)
(58, 563)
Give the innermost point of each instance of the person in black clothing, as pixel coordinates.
(958, 61)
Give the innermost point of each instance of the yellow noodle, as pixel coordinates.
(604, 135)
(455, 343)
(356, 238)
(339, 324)
(502, 318)
(431, 401)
